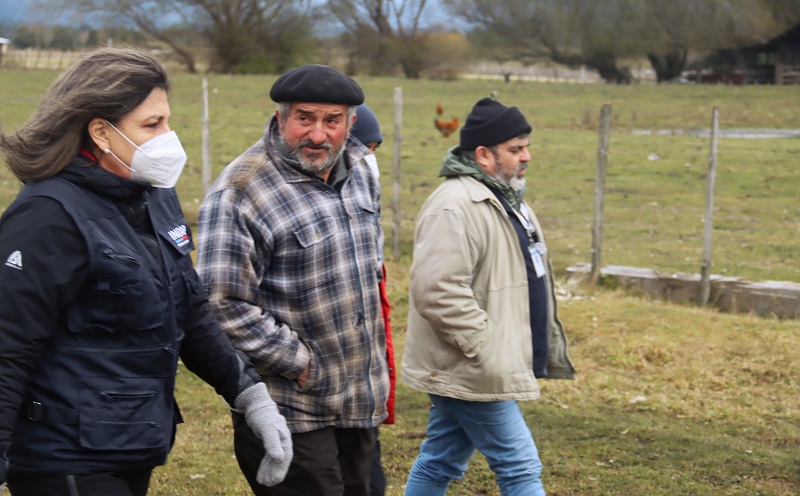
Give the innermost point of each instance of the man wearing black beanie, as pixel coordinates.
(482, 323)
(290, 250)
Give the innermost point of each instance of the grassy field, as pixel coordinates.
(654, 208)
(669, 399)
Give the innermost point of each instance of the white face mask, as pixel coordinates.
(158, 161)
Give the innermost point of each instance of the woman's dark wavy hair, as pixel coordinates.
(107, 84)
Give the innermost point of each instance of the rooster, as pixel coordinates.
(445, 127)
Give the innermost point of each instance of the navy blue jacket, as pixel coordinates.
(90, 364)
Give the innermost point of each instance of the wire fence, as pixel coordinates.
(549, 73)
(34, 58)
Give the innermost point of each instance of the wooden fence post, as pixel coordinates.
(599, 191)
(205, 146)
(711, 179)
(398, 138)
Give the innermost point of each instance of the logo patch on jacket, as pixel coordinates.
(180, 235)
(15, 260)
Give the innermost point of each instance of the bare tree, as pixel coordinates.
(386, 32)
(786, 12)
(673, 29)
(238, 31)
(488, 45)
(602, 33)
(570, 32)
(145, 15)
(602, 37)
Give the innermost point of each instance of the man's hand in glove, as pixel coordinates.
(261, 414)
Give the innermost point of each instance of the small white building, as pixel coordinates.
(4, 42)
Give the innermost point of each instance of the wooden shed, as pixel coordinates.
(776, 61)
(787, 57)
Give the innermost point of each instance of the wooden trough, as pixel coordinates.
(779, 299)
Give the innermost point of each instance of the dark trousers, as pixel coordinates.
(377, 479)
(327, 461)
(100, 484)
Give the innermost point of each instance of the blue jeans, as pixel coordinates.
(456, 428)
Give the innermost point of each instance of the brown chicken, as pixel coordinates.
(446, 127)
(439, 109)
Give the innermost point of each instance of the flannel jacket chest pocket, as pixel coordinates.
(314, 232)
(318, 246)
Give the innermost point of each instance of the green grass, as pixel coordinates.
(669, 400)
(720, 410)
(654, 209)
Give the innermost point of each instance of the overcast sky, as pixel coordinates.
(16, 10)
(12, 9)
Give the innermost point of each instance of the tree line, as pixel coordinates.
(399, 37)
(603, 34)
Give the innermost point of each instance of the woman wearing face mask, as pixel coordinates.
(98, 297)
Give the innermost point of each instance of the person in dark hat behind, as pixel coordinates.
(290, 251)
(482, 323)
(367, 130)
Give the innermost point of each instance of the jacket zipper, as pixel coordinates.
(119, 257)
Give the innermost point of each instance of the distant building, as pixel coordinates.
(787, 57)
(775, 62)
(3, 47)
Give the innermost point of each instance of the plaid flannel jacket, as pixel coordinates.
(292, 267)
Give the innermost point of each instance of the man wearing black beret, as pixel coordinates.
(290, 250)
(482, 323)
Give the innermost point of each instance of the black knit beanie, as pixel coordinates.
(491, 123)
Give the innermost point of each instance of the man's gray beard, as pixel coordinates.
(297, 153)
(515, 183)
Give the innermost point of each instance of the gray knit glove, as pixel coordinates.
(261, 414)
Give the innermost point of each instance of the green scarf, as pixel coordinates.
(458, 164)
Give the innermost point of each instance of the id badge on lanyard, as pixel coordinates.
(537, 251)
(536, 248)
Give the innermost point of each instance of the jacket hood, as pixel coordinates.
(457, 164)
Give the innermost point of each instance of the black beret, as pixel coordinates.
(316, 83)
(491, 123)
